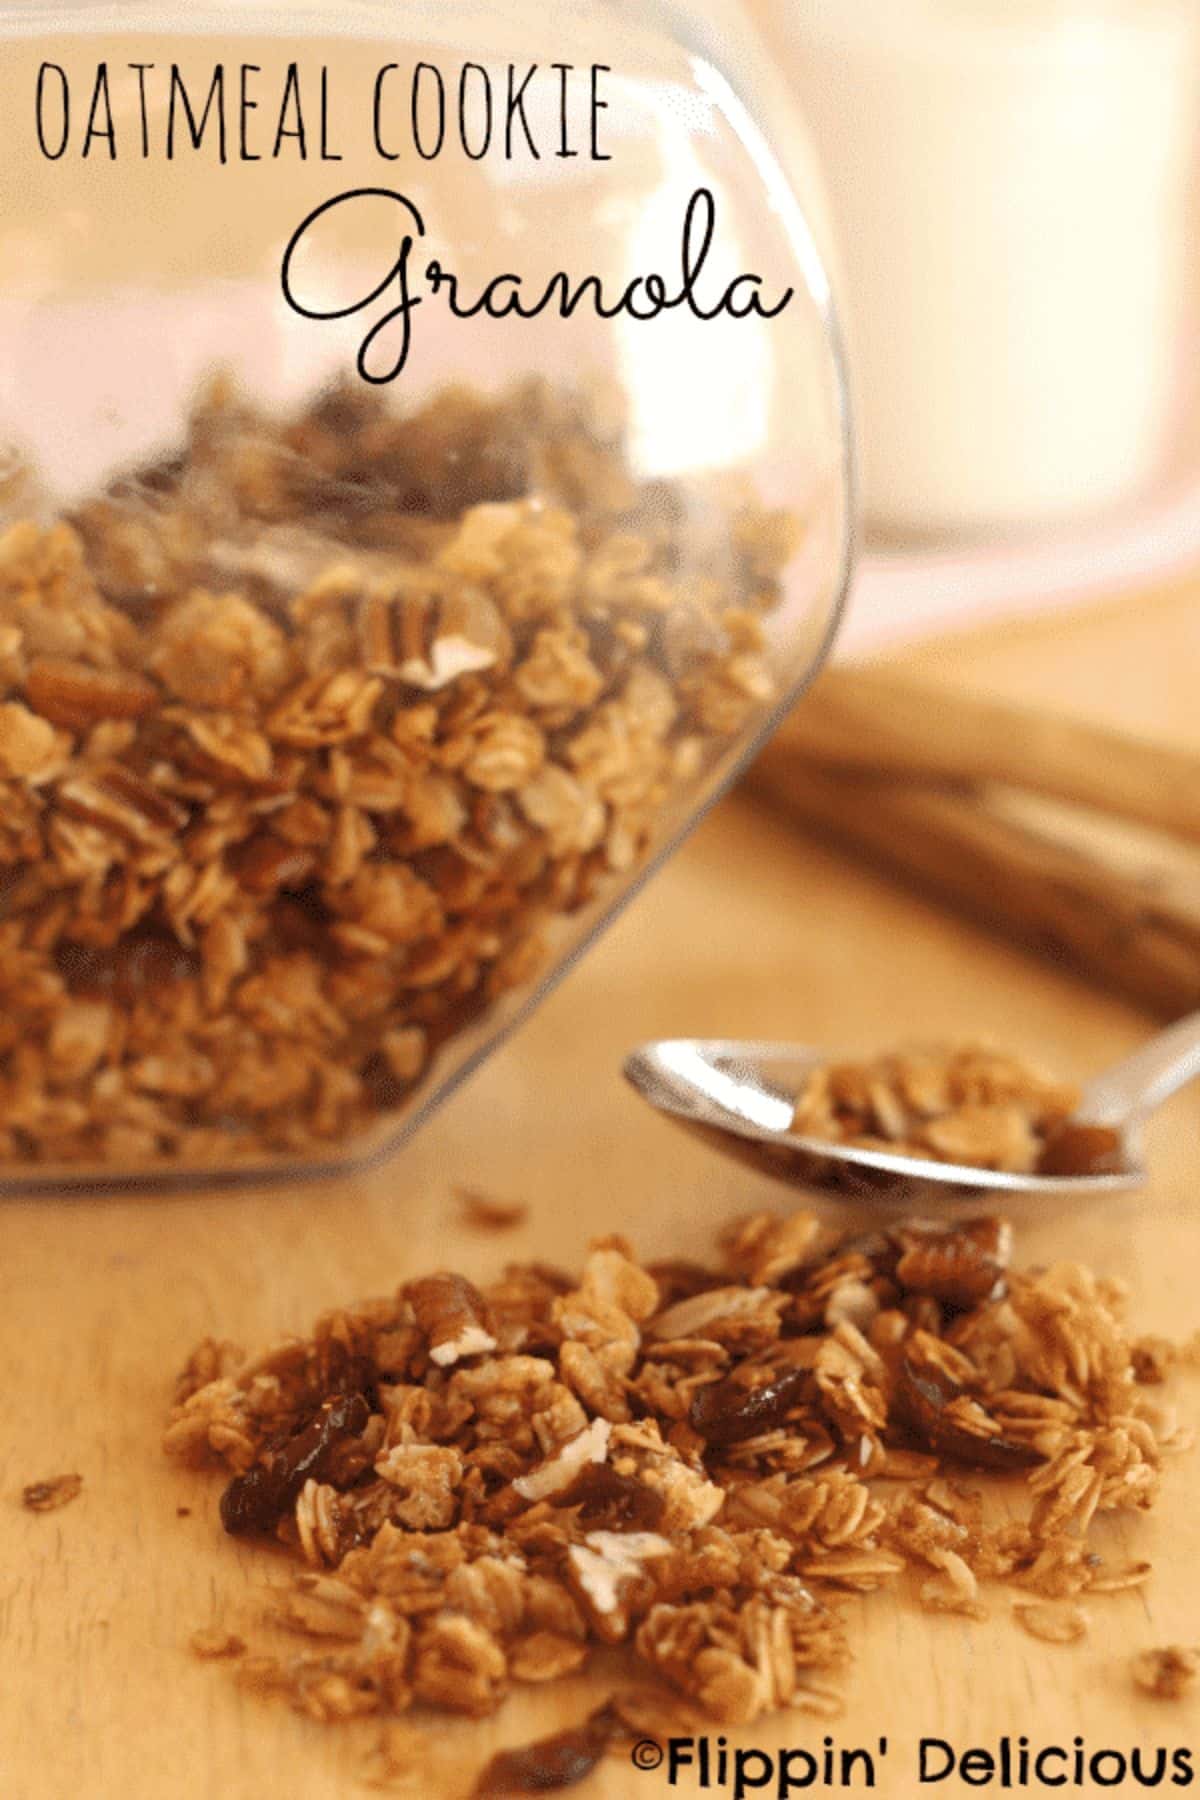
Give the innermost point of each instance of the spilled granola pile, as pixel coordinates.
(310, 732)
(484, 1486)
(965, 1104)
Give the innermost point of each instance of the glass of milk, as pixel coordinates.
(1011, 183)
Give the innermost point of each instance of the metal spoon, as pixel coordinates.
(740, 1097)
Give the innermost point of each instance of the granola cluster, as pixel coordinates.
(963, 1104)
(309, 734)
(486, 1485)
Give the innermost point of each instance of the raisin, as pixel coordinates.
(265, 864)
(553, 1762)
(609, 1501)
(257, 1500)
(146, 961)
(679, 1279)
(1075, 1149)
(728, 1413)
(925, 1389)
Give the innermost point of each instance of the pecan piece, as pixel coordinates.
(257, 1500)
(265, 864)
(453, 1316)
(428, 641)
(961, 1265)
(77, 696)
(116, 799)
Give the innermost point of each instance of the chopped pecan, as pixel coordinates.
(116, 799)
(453, 1316)
(430, 640)
(961, 1265)
(77, 695)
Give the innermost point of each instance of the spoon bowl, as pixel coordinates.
(740, 1097)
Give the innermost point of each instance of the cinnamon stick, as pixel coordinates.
(1130, 920)
(879, 719)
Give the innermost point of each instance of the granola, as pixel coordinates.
(484, 1486)
(964, 1104)
(313, 732)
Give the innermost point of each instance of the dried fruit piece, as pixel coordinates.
(47, 1496)
(257, 1500)
(1073, 1148)
(1168, 1673)
(553, 1762)
(728, 1412)
(933, 1398)
(609, 1500)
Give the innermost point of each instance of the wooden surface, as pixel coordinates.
(749, 931)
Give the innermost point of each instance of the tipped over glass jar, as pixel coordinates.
(367, 635)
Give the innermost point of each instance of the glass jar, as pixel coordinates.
(426, 481)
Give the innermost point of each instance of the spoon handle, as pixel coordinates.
(1131, 1090)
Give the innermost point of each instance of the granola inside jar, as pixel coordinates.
(335, 713)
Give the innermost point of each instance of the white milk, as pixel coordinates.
(1010, 183)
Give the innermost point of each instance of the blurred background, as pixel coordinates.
(1009, 195)
(1012, 200)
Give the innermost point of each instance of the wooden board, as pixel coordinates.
(750, 931)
